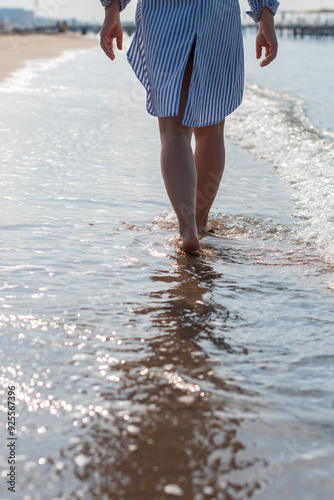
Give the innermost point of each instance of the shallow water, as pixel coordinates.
(303, 68)
(141, 372)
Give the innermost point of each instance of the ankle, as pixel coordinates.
(201, 223)
(187, 225)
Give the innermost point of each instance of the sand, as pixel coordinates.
(16, 49)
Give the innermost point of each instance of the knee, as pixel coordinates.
(210, 133)
(173, 131)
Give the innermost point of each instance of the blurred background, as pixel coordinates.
(41, 13)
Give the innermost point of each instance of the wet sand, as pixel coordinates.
(15, 50)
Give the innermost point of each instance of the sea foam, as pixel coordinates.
(274, 126)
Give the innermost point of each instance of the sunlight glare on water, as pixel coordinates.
(142, 372)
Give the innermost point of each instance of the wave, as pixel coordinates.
(22, 78)
(274, 126)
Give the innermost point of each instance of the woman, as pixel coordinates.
(188, 54)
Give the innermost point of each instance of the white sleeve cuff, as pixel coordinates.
(256, 6)
(123, 3)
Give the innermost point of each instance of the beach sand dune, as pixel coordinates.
(16, 49)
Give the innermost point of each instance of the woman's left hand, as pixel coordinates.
(266, 37)
(268, 40)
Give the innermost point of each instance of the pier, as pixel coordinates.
(128, 27)
(296, 30)
(300, 30)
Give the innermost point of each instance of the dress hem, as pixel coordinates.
(214, 122)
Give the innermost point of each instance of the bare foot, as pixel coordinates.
(202, 224)
(190, 242)
(205, 228)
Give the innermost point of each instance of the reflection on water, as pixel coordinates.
(174, 426)
(142, 372)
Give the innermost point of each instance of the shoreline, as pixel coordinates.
(16, 50)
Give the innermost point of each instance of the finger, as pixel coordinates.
(107, 46)
(120, 42)
(271, 53)
(108, 51)
(110, 47)
(258, 51)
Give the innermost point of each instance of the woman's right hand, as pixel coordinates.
(112, 28)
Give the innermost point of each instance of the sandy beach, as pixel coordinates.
(16, 49)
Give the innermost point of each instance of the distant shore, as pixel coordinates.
(16, 49)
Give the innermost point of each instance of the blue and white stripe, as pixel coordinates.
(123, 3)
(160, 48)
(256, 6)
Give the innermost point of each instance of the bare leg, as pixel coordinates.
(210, 162)
(179, 169)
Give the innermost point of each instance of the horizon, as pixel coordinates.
(92, 10)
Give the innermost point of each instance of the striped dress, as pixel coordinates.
(159, 51)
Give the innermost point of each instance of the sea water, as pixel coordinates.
(140, 372)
